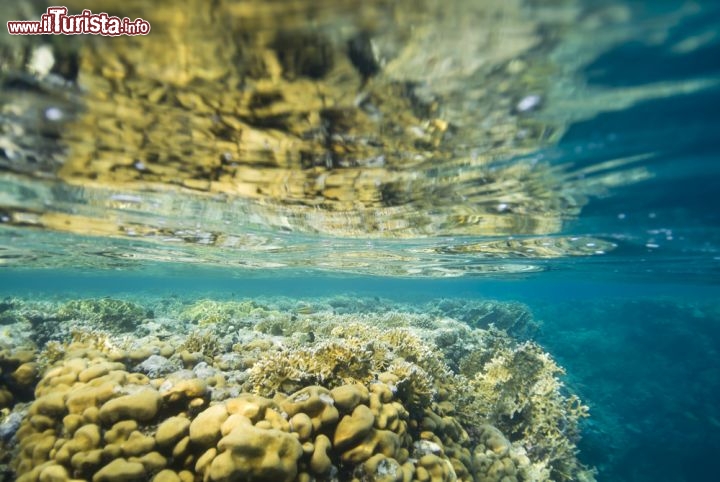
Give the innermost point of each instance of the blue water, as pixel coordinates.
(637, 329)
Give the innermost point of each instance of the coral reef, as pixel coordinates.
(19, 371)
(204, 342)
(209, 312)
(360, 396)
(105, 313)
(513, 317)
(106, 426)
(518, 392)
(353, 353)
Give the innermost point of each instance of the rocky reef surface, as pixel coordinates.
(335, 389)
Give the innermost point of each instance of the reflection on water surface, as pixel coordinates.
(308, 134)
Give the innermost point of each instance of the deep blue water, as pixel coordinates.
(638, 329)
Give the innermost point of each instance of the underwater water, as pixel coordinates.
(482, 238)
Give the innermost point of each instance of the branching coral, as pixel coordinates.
(53, 352)
(519, 392)
(354, 354)
(107, 313)
(412, 384)
(97, 339)
(208, 312)
(328, 363)
(513, 317)
(202, 341)
(488, 344)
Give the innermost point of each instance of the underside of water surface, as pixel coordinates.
(428, 139)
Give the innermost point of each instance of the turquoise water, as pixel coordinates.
(628, 301)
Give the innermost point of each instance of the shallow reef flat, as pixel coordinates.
(277, 389)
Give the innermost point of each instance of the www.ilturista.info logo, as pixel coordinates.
(57, 22)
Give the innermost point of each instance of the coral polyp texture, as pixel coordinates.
(277, 391)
